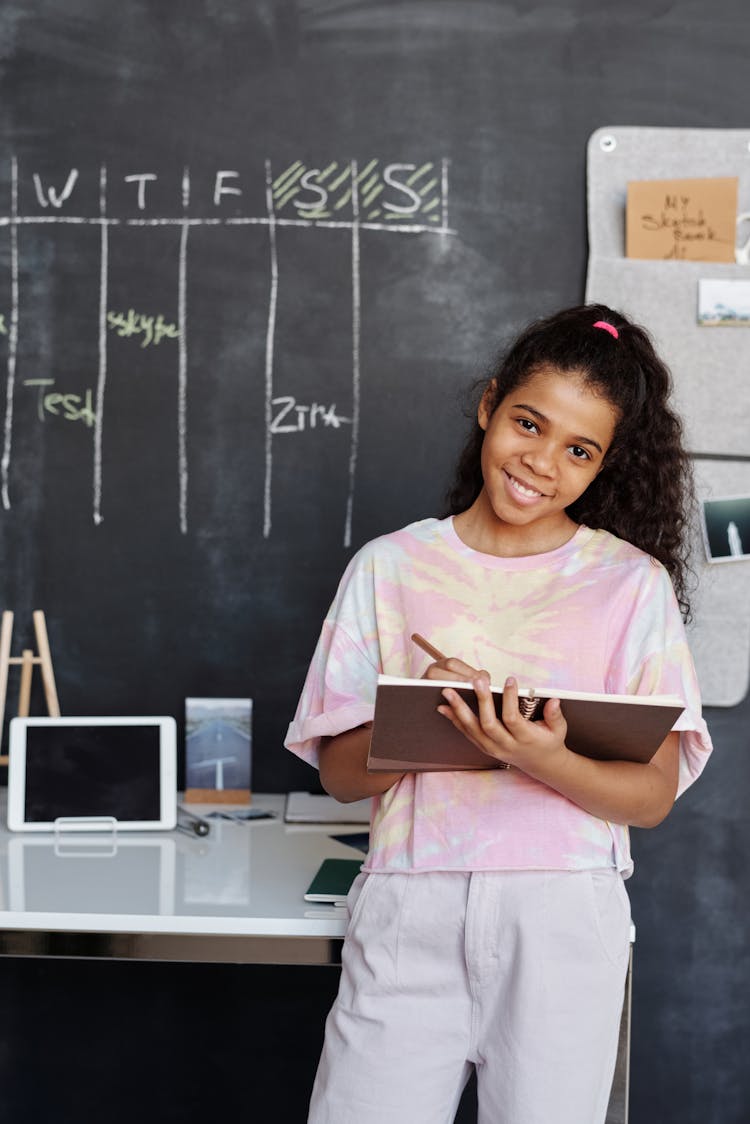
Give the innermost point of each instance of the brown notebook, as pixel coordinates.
(409, 735)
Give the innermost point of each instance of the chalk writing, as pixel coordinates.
(51, 195)
(391, 193)
(141, 179)
(67, 406)
(299, 417)
(405, 198)
(132, 323)
(387, 193)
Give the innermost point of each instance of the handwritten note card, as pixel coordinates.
(684, 220)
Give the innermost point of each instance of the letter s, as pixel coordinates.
(307, 183)
(390, 179)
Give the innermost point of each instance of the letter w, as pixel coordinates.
(55, 199)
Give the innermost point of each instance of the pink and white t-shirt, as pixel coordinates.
(597, 614)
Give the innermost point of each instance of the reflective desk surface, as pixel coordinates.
(235, 895)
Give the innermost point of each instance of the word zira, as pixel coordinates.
(307, 416)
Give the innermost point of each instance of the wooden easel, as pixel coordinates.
(27, 660)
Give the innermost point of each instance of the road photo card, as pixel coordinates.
(218, 750)
(726, 528)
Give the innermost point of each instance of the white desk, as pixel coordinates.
(234, 896)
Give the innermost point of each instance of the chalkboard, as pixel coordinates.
(237, 311)
(213, 390)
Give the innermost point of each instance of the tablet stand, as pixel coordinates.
(27, 660)
(75, 825)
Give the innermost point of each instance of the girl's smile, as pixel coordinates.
(544, 444)
(523, 490)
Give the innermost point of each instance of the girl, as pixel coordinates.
(490, 926)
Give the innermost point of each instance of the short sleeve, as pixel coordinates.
(652, 657)
(339, 689)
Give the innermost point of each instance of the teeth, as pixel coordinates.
(523, 490)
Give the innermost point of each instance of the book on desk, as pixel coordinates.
(315, 808)
(333, 881)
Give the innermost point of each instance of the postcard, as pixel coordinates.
(218, 744)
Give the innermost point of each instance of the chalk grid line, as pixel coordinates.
(101, 381)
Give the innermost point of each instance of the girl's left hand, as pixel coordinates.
(531, 746)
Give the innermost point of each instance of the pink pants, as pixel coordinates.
(520, 973)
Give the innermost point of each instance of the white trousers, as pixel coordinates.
(520, 973)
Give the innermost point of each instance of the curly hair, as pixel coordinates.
(644, 491)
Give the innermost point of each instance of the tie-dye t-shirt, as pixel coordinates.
(596, 614)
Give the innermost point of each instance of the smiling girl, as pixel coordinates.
(490, 925)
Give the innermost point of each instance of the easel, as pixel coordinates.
(27, 660)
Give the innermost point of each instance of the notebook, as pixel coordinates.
(310, 807)
(333, 881)
(409, 735)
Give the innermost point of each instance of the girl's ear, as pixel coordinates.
(484, 413)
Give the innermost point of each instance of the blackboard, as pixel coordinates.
(177, 546)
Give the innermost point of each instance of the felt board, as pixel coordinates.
(709, 364)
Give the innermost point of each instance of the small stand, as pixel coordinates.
(82, 847)
(27, 660)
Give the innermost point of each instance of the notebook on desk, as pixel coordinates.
(333, 881)
(313, 808)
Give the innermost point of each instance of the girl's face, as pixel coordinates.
(543, 445)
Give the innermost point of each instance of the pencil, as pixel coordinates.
(427, 647)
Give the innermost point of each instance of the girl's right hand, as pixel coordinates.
(453, 668)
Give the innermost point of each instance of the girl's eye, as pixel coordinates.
(579, 453)
(527, 424)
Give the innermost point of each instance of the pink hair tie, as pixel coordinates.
(608, 328)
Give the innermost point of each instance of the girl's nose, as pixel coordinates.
(540, 460)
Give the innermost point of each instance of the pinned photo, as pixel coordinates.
(726, 528)
(723, 304)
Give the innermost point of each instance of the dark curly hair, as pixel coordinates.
(644, 492)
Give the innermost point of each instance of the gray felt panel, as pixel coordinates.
(711, 366)
(720, 631)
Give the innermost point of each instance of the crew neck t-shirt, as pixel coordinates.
(596, 614)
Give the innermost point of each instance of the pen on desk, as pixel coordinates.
(425, 645)
(190, 830)
(197, 825)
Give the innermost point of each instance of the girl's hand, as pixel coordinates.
(533, 747)
(621, 791)
(452, 668)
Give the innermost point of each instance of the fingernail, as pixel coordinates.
(510, 681)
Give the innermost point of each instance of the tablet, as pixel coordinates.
(83, 773)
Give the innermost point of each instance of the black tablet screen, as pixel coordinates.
(92, 771)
